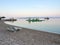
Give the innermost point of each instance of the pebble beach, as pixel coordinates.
(27, 37)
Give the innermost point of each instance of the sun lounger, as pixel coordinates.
(12, 28)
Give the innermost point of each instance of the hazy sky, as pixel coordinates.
(27, 8)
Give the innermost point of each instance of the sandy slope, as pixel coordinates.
(27, 37)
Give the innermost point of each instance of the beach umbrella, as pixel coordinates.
(2, 17)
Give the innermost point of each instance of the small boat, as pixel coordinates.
(47, 18)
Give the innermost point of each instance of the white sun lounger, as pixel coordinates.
(12, 28)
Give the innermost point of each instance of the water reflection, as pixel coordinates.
(34, 20)
(30, 21)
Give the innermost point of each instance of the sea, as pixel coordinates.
(52, 25)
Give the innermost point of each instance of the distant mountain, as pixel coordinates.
(34, 17)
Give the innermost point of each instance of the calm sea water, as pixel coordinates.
(51, 25)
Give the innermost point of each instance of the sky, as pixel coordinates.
(30, 8)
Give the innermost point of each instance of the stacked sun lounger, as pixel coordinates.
(13, 29)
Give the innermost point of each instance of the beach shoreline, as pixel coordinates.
(27, 37)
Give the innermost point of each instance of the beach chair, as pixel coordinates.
(17, 28)
(13, 29)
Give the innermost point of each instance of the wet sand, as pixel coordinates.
(27, 37)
